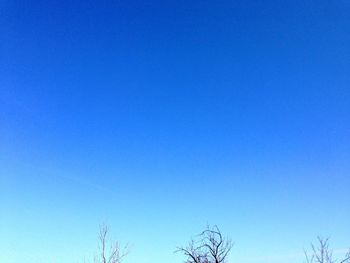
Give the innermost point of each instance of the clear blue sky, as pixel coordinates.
(159, 117)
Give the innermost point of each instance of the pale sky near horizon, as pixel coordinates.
(160, 117)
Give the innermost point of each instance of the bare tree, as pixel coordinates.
(323, 254)
(210, 247)
(109, 251)
(347, 257)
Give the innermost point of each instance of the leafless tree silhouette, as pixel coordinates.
(109, 251)
(323, 254)
(210, 247)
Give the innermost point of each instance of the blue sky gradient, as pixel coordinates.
(158, 117)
